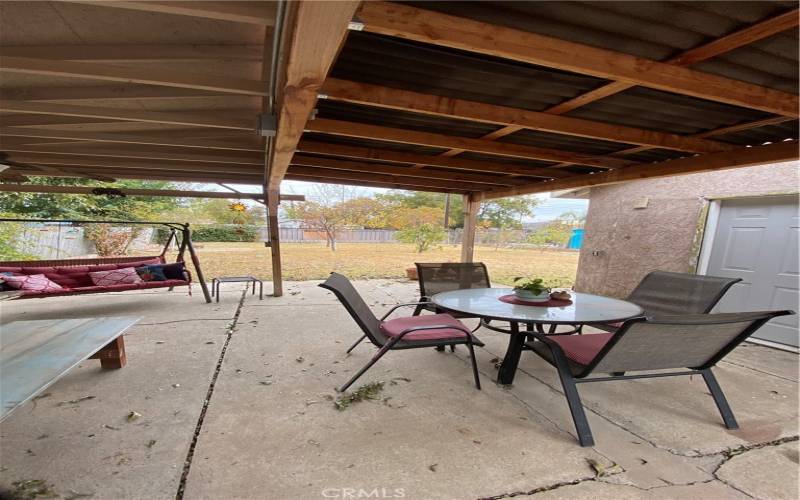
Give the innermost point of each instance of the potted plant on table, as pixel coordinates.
(531, 289)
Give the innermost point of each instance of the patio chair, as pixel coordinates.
(693, 343)
(666, 293)
(410, 332)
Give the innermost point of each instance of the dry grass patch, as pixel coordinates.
(312, 261)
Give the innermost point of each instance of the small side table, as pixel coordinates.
(237, 279)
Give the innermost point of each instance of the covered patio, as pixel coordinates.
(235, 401)
(480, 99)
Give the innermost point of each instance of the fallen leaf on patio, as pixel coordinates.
(176, 385)
(32, 488)
(265, 382)
(313, 443)
(432, 467)
(30, 452)
(210, 342)
(404, 379)
(42, 396)
(75, 401)
(159, 341)
(133, 416)
(151, 443)
(111, 427)
(43, 436)
(367, 391)
(300, 359)
(74, 494)
(602, 471)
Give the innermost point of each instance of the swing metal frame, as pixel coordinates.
(184, 242)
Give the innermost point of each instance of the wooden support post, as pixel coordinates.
(471, 206)
(273, 199)
(187, 241)
(112, 356)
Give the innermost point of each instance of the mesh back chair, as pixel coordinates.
(448, 276)
(401, 333)
(665, 293)
(693, 343)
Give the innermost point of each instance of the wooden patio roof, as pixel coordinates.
(483, 98)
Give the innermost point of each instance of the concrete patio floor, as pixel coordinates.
(235, 403)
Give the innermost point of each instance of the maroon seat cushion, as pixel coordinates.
(394, 327)
(581, 349)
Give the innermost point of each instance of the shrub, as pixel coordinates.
(210, 233)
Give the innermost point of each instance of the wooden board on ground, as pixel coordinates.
(35, 354)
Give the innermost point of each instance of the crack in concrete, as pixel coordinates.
(760, 371)
(540, 489)
(184, 321)
(187, 464)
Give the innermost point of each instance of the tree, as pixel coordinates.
(219, 211)
(421, 226)
(416, 199)
(107, 240)
(507, 213)
(326, 218)
(557, 232)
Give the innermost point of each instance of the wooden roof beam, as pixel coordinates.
(171, 193)
(127, 139)
(309, 146)
(129, 173)
(372, 184)
(107, 72)
(258, 13)
(114, 163)
(375, 132)
(138, 52)
(465, 34)
(207, 119)
(740, 157)
(434, 105)
(103, 92)
(318, 32)
(51, 153)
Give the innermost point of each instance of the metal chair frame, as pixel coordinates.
(385, 344)
(569, 380)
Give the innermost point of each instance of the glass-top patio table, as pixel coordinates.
(585, 309)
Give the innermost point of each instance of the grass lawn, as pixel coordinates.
(307, 261)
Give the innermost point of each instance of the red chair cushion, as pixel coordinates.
(582, 349)
(394, 327)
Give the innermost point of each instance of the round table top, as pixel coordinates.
(585, 308)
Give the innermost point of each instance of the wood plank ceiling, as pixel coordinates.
(489, 99)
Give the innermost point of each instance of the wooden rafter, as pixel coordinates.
(258, 13)
(137, 52)
(127, 139)
(366, 131)
(318, 33)
(106, 72)
(171, 118)
(139, 153)
(172, 193)
(130, 173)
(376, 180)
(404, 100)
(441, 29)
(308, 146)
(114, 163)
(740, 157)
(369, 167)
(103, 92)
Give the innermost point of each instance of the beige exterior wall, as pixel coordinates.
(623, 243)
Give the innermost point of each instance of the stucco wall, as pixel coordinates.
(622, 244)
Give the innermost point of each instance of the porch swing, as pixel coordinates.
(72, 275)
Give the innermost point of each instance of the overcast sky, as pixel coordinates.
(548, 208)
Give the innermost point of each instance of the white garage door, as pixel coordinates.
(756, 239)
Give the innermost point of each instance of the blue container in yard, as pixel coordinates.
(576, 240)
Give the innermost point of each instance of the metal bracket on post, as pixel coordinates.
(267, 125)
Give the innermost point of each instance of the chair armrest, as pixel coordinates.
(398, 306)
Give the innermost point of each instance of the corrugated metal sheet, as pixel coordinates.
(415, 66)
(654, 30)
(367, 143)
(401, 119)
(665, 112)
(565, 142)
(770, 133)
